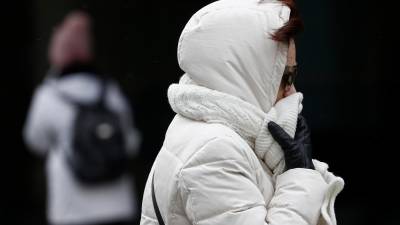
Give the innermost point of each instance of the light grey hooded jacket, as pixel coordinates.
(219, 165)
(48, 131)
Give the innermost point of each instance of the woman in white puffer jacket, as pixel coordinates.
(219, 163)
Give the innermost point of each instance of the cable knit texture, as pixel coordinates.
(203, 104)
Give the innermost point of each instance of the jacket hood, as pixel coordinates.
(227, 46)
(81, 87)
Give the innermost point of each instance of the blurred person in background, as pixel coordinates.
(81, 122)
(238, 151)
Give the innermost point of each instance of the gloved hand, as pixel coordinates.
(297, 150)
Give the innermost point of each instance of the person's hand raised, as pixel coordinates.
(297, 150)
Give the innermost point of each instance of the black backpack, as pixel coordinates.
(98, 152)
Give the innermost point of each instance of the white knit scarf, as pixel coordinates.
(203, 104)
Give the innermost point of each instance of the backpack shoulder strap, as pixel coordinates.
(103, 88)
(155, 205)
(104, 85)
(52, 81)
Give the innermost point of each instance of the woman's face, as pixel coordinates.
(286, 90)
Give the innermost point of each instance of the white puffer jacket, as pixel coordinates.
(219, 164)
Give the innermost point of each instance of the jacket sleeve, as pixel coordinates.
(218, 186)
(38, 133)
(335, 186)
(120, 104)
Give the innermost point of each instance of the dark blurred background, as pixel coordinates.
(348, 74)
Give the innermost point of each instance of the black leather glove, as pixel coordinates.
(297, 150)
